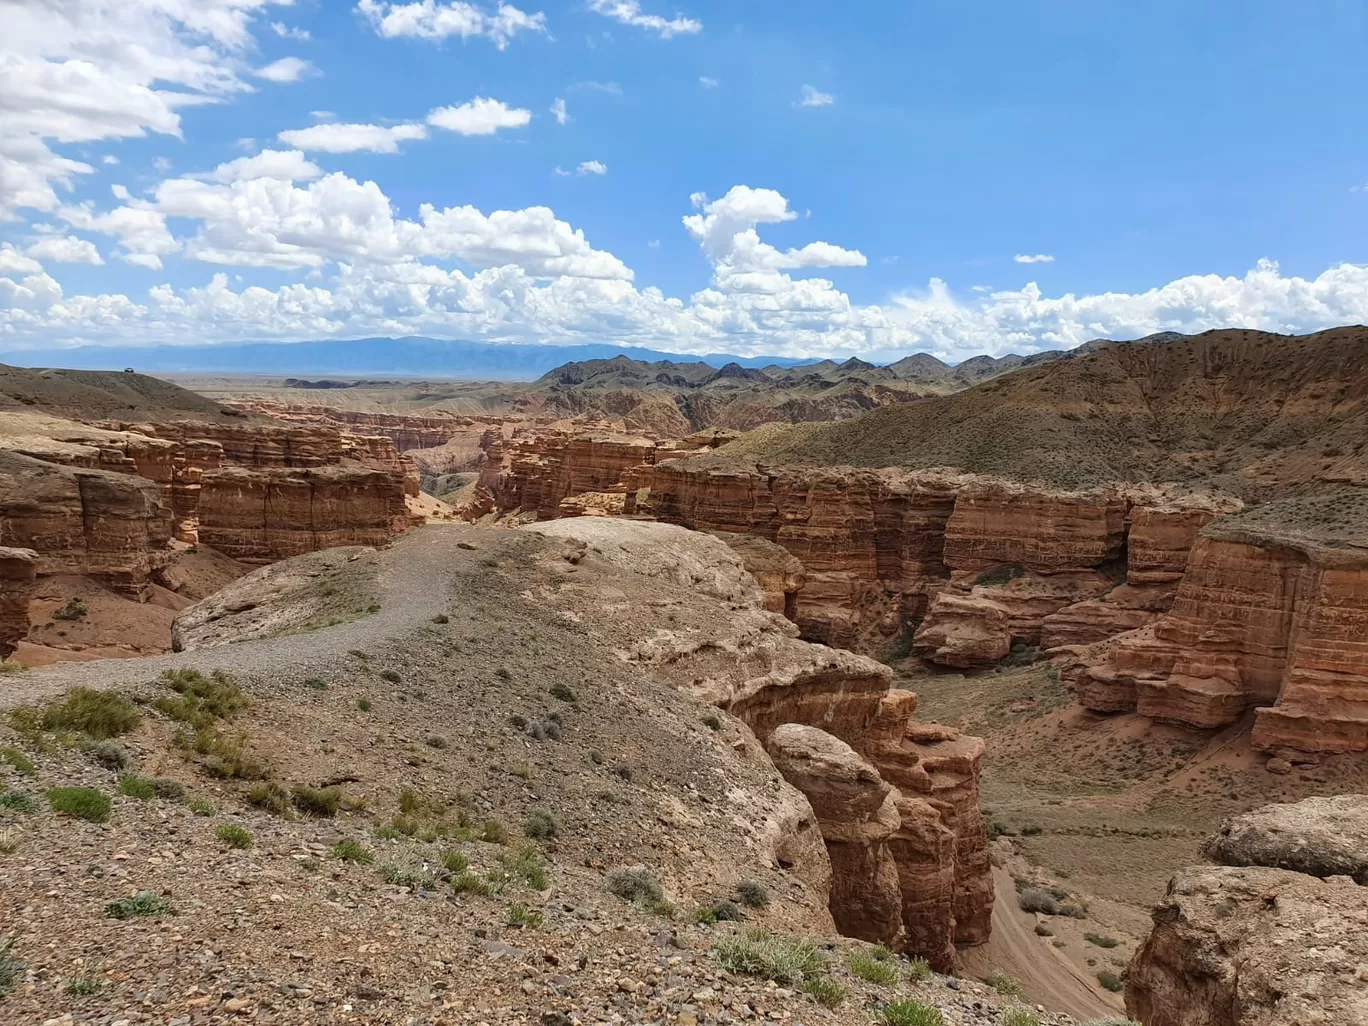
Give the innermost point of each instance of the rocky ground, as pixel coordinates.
(415, 817)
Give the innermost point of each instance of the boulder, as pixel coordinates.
(1318, 836)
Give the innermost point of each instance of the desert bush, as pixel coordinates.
(873, 966)
(564, 692)
(918, 970)
(770, 956)
(636, 885)
(74, 609)
(1000, 575)
(469, 883)
(320, 803)
(1100, 940)
(623, 772)
(270, 796)
(18, 761)
(134, 786)
(720, 912)
(390, 675)
(1033, 899)
(441, 618)
(352, 851)
(144, 903)
(493, 832)
(434, 741)
(1110, 981)
(316, 683)
(526, 865)
(200, 700)
(9, 841)
(364, 704)
(225, 756)
(9, 667)
(98, 715)
(18, 801)
(713, 722)
(84, 986)
(80, 802)
(455, 861)
(519, 915)
(407, 874)
(827, 993)
(234, 836)
(541, 825)
(1018, 1017)
(110, 755)
(10, 967)
(910, 1013)
(752, 894)
(1004, 984)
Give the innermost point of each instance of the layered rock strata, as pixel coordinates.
(18, 568)
(1271, 615)
(896, 800)
(1260, 943)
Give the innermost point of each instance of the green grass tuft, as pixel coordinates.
(80, 802)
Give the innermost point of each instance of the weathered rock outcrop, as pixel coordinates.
(17, 571)
(1317, 836)
(1276, 938)
(858, 814)
(902, 803)
(79, 521)
(1272, 614)
(259, 516)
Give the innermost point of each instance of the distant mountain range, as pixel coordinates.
(471, 361)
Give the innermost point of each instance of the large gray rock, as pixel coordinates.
(1318, 836)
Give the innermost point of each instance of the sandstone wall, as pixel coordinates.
(80, 521)
(1275, 624)
(17, 570)
(263, 515)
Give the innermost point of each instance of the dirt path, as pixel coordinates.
(1046, 976)
(415, 583)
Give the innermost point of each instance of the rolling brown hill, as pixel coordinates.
(1257, 414)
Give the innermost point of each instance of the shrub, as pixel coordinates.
(84, 986)
(721, 912)
(752, 894)
(234, 836)
(1033, 899)
(10, 967)
(364, 704)
(712, 721)
(390, 675)
(200, 700)
(636, 885)
(1111, 981)
(352, 851)
(1018, 1017)
(770, 956)
(269, 796)
(827, 993)
(564, 692)
(9, 667)
(623, 772)
(873, 966)
(1000, 575)
(524, 866)
(18, 801)
(200, 807)
(434, 741)
(541, 825)
(494, 832)
(110, 755)
(316, 683)
(82, 802)
(455, 861)
(134, 786)
(408, 874)
(18, 761)
(74, 609)
(503, 673)
(521, 916)
(469, 883)
(9, 841)
(441, 618)
(910, 1013)
(320, 803)
(1100, 940)
(1032, 830)
(97, 714)
(1003, 984)
(144, 903)
(225, 756)
(918, 970)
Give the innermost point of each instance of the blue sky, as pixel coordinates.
(861, 180)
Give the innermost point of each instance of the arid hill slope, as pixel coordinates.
(1252, 413)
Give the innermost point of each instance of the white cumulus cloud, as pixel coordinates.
(480, 116)
(1033, 258)
(286, 165)
(285, 70)
(290, 32)
(437, 21)
(65, 249)
(591, 167)
(348, 138)
(813, 97)
(559, 112)
(628, 12)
